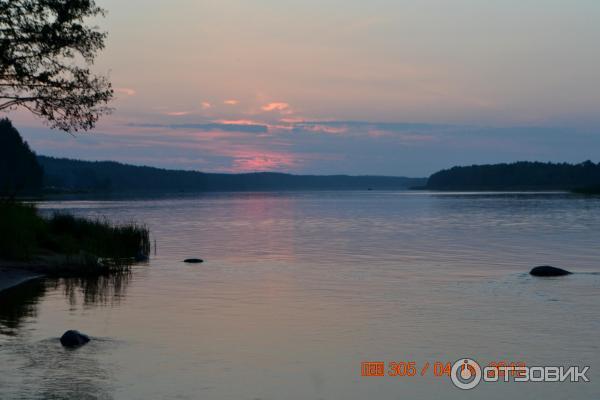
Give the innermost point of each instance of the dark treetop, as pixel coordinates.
(46, 50)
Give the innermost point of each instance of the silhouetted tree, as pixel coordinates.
(46, 50)
(20, 172)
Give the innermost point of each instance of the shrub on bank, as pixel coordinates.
(20, 230)
(25, 235)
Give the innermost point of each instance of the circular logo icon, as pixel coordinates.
(465, 374)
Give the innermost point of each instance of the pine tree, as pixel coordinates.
(20, 172)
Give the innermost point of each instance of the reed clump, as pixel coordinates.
(65, 241)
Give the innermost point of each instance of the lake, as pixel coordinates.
(298, 289)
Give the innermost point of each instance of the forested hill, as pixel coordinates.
(61, 174)
(20, 172)
(517, 176)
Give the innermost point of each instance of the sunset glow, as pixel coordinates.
(392, 88)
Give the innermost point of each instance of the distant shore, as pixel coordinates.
(522, 176)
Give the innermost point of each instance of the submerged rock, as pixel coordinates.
(74, 338)
(193, 260)
(546, 270)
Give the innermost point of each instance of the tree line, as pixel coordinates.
(523, 175)
(112, 177)
(22, 172)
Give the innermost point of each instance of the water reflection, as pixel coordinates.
(43, 368)
(101, 290)
(19, 303)
(298, 289)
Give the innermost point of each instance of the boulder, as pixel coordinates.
(546, 270)
(193, 260)
(74, 338)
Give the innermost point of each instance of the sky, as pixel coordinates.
(386, 87)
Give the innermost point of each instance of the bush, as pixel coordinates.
(70, 235)
(24, 234)
(20, 228)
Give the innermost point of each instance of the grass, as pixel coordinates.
(25, 235)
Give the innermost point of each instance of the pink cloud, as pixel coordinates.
(276, 106)
(205, 105)
(237, 122)
(251, 161)
(291, 120)
(177, 113)
(270, 127)
(231, 102)
(126, 91)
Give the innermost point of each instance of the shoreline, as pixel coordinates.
(11, 277)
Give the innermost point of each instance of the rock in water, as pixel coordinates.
(193, 260)
(546, 270)
(73, 338)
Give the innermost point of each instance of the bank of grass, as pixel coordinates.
(66, 242)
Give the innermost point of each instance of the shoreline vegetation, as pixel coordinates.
(59, 245)
(62, 245)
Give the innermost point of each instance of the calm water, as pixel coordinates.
(299, 288)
